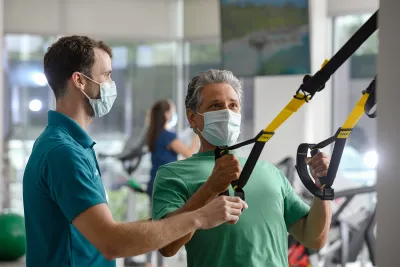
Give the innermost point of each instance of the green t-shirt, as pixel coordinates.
(259, 238)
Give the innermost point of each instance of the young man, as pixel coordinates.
(260, 237)
(68, 222)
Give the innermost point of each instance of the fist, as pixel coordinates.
(226, 170)
(220, 210)
(319, 165)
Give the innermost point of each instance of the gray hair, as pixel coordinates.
(212, 76)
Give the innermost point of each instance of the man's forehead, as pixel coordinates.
(219, 92)
(102, 61)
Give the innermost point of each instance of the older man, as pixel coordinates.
(260, 237)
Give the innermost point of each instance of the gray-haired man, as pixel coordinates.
(260, 237)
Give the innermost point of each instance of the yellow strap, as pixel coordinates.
(288, 111)
(356, 113)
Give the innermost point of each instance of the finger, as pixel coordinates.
(231, 162)
(233, 176)
(237, 202)
(320, 168)
(321, 161)
(322, 174)
(244, 204)
(232, 219)
(235, 205)
(224, 159)
(233, 199)
(233, 169)
(308, 160)
(235, 211)
(228, 157)
(317, 156)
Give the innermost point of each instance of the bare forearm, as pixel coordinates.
(201, 198)
(318, 223)
(136, 238)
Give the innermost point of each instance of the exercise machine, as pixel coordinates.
(346, 238)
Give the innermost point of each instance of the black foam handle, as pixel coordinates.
(302, 170)
(314, 152)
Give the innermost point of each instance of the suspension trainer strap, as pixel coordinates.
(263, 137)
(326, 192)
(322, 76)
(311, 85)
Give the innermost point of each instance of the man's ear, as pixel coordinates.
(78, 80)
(190, 116)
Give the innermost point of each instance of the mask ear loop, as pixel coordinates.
(83, 92)
(196, 130)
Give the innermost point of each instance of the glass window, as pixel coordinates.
(358, 164)
(201, 55)
(143, 73)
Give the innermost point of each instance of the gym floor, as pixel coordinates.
(20, 263)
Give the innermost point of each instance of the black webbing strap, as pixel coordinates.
(249, 165)
(322, 76)
(311, 85)
(371, 102)
(325, 192)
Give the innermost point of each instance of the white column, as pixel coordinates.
(388, 181)
(1, 104)
(319, 110)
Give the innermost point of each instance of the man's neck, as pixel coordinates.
(77, 113)
(206, 147)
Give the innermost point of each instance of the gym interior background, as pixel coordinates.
(158, 46)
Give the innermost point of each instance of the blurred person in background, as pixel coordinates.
(164, 146)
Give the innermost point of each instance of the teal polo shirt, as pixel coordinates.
(61, 180)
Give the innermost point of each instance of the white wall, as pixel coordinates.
(319, 112)
(313, 122)
(202, 19)
(271, 94)
(342, 7)
(123, 19)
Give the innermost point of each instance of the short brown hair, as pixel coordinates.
(67, 55)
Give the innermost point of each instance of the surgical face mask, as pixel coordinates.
(222, 127)
(108, 94)
(173, 121)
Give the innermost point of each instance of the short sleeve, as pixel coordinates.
(73, 183)
(169, 193)
(168, 137)
(294, 207)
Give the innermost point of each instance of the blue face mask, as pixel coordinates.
(108, 94)
(221, 128)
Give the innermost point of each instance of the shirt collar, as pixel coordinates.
(71, 127)
(211, 153)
